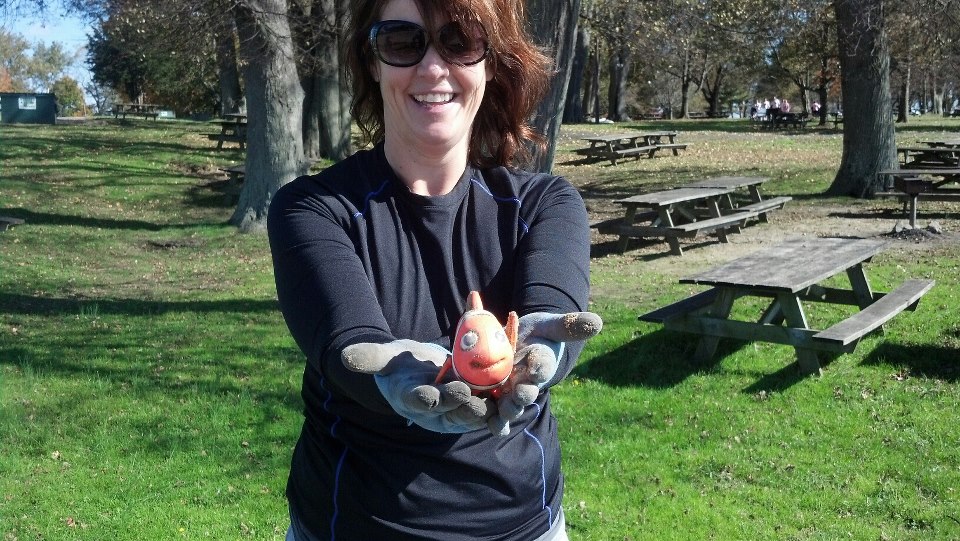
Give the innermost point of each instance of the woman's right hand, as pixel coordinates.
(405, 371)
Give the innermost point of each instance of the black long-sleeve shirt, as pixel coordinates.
(360, 258)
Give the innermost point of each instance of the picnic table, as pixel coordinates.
(672, 214)
(632, 144)
(776, 119)
(929, 156)
(233, 129)
(146, 110)
(931, 183)
(789, 275)
(952, 142)
(753, 200)
(837, 119)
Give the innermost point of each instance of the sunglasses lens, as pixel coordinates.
(462, 44)
(404, 44)
(400, 44)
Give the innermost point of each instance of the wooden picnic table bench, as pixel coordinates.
(929, 156)
(789, 275)
(953, 142)
(753, 202)
(233, 129)
(674, 214)
(145, 110)
(618, 146)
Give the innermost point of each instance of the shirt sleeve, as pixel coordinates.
(323, 291)
(553, 273)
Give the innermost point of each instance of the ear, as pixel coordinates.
(375, 71)
(490, 70)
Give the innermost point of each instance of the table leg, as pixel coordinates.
(666, 220)
(722, 305)
(793, 312)
(913, 209)
(861, 286)
(628, 217)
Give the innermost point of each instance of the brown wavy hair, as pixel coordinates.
(502, 134)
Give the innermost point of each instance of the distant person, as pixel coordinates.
(785, 106)
(776, 102)
(815, 108)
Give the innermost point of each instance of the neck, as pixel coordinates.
(432, 171)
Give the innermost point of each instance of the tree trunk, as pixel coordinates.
(591, 96)
(554, 24)
(869, 144)
(330, 89)
(231, 95)
(619, 71)
(573, 110)
(274, 105)
(311, 116)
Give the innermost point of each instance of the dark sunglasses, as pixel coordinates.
(403, 44)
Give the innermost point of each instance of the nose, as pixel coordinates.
(432, 63)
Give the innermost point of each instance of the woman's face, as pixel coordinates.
(432, 104)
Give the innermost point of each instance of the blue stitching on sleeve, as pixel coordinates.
(514, 200)
(543, 469)
(366, 201)
(343, 456)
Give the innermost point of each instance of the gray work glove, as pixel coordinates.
(540, 345)
(405, 370)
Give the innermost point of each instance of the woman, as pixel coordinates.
(377, 255)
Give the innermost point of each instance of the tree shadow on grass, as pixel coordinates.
(32, 217)
(16, 303)
(601, 249)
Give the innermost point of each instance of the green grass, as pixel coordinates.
(149, 388)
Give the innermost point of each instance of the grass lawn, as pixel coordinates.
(149, 388)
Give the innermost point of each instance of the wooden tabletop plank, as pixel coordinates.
(792, 265)
(933, 171)
(729, 183)
(671, 197)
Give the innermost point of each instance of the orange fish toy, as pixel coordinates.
(483, 349)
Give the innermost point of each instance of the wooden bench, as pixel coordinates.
(761, 208)
(720, 225)
(235, 173)
(222, 138)
(614, 226)
(633, 151)
(847, 333)
(123, 114)
(682, 307)
(6, 222)
(675, 147)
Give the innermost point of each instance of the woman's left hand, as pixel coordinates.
(540, 346)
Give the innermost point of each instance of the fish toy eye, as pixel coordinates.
(469, 340)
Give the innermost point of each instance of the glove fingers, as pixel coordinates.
(498, 426)
(436, 399)
(382, 359)
(369, 358)
(538, 361)
(473, 414)
(560, 327)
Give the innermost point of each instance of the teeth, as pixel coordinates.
(433, 98)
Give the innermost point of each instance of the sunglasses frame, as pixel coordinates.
(431, 39)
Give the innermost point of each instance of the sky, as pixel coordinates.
(71, 32)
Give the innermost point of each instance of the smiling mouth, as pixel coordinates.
(433, 99)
